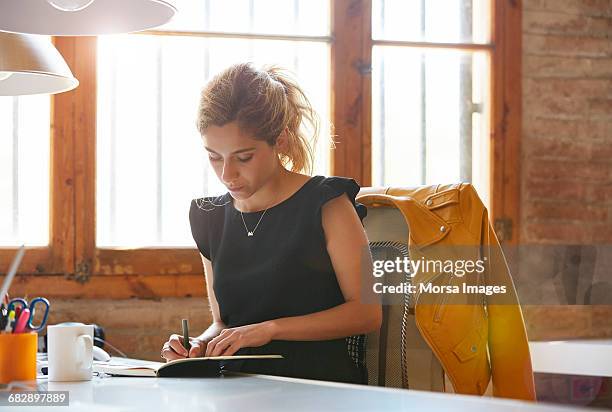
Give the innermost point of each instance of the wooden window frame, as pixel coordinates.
(72, 267)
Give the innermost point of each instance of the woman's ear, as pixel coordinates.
(282, 142)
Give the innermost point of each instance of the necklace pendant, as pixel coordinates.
(250, 233)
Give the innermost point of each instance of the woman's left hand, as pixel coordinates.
(230, 340)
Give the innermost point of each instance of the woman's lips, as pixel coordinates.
(235, 189)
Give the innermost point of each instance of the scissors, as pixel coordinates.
(23, 304)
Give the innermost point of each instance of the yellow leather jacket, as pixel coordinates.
(475, 336)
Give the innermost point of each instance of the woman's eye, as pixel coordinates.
(213, 158)
(245, 159)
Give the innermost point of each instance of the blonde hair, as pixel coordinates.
(264, 102)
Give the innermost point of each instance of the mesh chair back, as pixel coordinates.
(397, 356)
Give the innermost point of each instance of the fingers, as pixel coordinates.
(173, 349)
(198, 348)
(210, 348)
(169, 354)
(176, 344)
(231, 350)
(219, 344)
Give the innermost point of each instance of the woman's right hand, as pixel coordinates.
(174, 349)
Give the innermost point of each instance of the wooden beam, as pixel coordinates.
(85, 124)
(506, 119)
(62, 170)
(147, 261)
(109, 287)
(350, 79)
(35, 260)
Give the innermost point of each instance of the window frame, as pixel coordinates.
(73, 267)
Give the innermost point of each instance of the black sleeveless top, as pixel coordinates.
(282, 270)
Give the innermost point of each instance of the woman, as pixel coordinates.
(281, 250)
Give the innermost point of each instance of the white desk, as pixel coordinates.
(264, 393)
(573, 357)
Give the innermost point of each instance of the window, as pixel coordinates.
(148, 90)
(430, 92)
(24, 170)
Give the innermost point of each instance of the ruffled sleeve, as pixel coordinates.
(198, 220)
(332, 187)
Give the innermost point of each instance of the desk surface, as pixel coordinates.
(573, 357)
(264, 393)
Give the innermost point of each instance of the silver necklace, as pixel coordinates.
(252, 232)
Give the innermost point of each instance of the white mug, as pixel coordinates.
(70, 348)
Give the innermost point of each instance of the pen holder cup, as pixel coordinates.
(18, 356)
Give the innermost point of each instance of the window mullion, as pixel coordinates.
(15, 177)
(159, 143)
(351, 81)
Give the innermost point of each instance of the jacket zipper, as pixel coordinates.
(440, 307)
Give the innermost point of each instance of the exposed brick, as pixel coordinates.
(135, 326)
(580, 7)
(556, 233)
(547, 105)
(600, 68)
(602, 233)
(547, 147)
(595, 129)
(559, 88)
(535, 127)
(558, 189)
(601, 193)
(535, 66)
(549, 97)
(600, 108)
(602, 152)
(552, 22)
(559, 169)
(557, 322)
(555, 210)
(575, 46)
(128, 344)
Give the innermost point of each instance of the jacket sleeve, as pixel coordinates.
(508, 346)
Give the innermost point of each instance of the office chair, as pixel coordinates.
(397, 356)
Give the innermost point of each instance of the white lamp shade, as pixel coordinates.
(100, 17)
(35, 66)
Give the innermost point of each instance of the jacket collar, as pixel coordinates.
(425, 227)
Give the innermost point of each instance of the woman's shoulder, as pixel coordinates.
(208, 207)
(328, 188)
(210, 203)
(336, 183)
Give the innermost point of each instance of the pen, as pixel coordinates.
(3, 316)
(22, 321)
(10, 319)
(186, 343)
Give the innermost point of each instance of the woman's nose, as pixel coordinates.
(229, 173)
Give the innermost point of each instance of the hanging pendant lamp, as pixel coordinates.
(32, 65)
(82, 17)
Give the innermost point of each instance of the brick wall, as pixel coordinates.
(137, 327)
(567, 121)
(567, 144)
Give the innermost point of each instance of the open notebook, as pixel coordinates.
(189, 367)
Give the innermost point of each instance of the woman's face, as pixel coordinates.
(241, 163)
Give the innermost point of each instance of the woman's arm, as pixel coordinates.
(174, 349)
(346, 241)
(199, 348)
